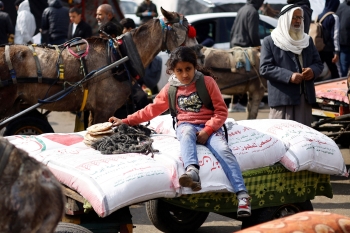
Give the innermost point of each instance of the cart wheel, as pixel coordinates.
(270, 213)
(172, 219)
(64, 227)
(28, 125)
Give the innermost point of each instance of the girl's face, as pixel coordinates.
(184, 71)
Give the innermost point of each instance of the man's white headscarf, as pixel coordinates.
(281, 37)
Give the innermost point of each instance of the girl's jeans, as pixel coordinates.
(217, 144)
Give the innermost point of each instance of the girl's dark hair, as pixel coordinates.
(186, 54)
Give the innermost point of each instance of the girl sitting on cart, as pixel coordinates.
(196, 123)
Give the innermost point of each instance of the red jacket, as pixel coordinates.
(190, 108)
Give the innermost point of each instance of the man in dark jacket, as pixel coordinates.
(245, 29)
(54, 23)
(6, 27)
(330, 26)
(245, 33)
(105, 14)
(78, 27)
(343, 13)
(146, 10)
(290, 62)
(305, 5)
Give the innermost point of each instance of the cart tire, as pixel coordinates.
(270, 213)
(64, 227)
(28, 125)
(173, 219)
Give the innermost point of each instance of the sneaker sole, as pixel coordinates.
(243, 214)
(186, 181)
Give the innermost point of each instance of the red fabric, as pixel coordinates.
(65, 139)
(213, 120)
(191, 32)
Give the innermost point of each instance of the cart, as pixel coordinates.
(187, 213)
(275, 191)
(331, 112)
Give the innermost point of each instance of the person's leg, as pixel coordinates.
(302, 112)
(344, 60)
(186, 134)
(217, 144)
(327, 57)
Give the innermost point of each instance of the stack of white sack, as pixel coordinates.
(263, 142)
(110, 182)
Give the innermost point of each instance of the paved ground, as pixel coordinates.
(340, 204)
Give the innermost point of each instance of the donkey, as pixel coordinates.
(31, 73)
(31, 198)
(237, 70)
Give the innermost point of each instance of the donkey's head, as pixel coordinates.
(175, 28)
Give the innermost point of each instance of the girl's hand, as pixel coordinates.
(115, 121)
(202, 137)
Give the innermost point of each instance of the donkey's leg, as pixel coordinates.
(255, 96)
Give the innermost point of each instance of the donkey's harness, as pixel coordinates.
(124, 45)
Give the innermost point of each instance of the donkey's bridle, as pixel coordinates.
(167, 27)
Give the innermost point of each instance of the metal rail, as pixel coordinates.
(67, 90)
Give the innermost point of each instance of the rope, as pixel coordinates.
(126, 139)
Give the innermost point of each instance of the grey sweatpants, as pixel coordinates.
(301, 113)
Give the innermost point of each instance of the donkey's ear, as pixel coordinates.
(169, 16)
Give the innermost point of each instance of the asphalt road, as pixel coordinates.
(63, 122)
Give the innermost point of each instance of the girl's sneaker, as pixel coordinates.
(191, 179)
(244, 209)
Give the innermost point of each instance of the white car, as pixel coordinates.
(220, 27)
(129, 8)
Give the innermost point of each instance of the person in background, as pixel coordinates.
(128, 24)
(330, 26)
(6, 26)
(245, 29)
(195, 123)
(25, 23)
(146, 10)
(343, 13)
(54, 23)
(203, 36)
(105, 14)
(245, 33)
(290, 62)
(78, 27)
(305, 5)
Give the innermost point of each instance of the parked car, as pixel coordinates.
(129, 8)
(220, 27)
